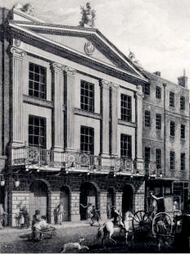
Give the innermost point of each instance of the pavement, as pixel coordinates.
(65, 224)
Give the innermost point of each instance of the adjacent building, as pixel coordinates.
(71, 120)
(166, 137)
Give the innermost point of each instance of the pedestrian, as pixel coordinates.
(89, 212)
(35, 219)
(55, 213)
(157, 204)
(95, 216)
(26, 217)
(60, 213)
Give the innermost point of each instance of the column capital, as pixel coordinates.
(115, 86)
(70, 71)
(140, 93)
(56, 67)
(105, 84)
(17, 53)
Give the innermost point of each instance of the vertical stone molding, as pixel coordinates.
(75, 206)
(58, 117)
(139, 102)
(114, 119)
(105, 90)
(103, 205)
(70, 82)
(17, 91)
(118, 201)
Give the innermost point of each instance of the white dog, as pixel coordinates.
(74, 247)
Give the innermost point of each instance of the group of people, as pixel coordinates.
(39, 224)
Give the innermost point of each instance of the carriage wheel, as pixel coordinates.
(140, 221)
(162, 224)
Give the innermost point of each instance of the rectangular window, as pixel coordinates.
(158, 121)
(37, 81)
(182, 161)
(147, 119)
(172, 99)
(158, 158)
(126, 146)
(172, 129)
(87, 140)
(146, 89)
(158, 92)
(37, 131)
(87, 96)
(172, 160)
(126, 109)
(182, 103)
(182, 131)
(147, 156)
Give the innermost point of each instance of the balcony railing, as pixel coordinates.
(33, 157)
(152, 170)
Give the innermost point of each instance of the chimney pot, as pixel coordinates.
(158, 73)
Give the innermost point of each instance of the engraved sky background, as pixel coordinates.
(156, 31)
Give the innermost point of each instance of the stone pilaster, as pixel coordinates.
(17, 92)
(103, 205)
(54, 201)
(75, 206)
(114, 119)
(58, 116)
(139, 157)
(105, 88)
(70, 78)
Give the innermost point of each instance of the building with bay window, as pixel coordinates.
(70, 121)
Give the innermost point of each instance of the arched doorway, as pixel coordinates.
(110, 201)
(88, 194)
(65, 201)
(127, 199)
(39, 198)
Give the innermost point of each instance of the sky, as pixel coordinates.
(156, 31)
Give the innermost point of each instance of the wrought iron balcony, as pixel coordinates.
(41, 159)
(152, 170)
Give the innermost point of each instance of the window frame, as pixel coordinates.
(87, 134)
(172, 160)
(147, 118)
(87, 96)
(126, 145)
(158, 121)
(172, 99)
(158, 158)
(182, 131)
(172, 129)
(182, 164)
(126, 107)
(37, 128)
(182, 102)
(37, 81)
(158, 92)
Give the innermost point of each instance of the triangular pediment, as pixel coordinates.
(84, 42)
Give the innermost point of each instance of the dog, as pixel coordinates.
(74, 247)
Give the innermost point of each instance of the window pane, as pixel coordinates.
(87, 96)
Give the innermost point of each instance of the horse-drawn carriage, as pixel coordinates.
(140, 225)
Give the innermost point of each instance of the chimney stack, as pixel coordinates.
(182, 81)
(158, 73)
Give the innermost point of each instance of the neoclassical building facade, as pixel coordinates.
(70, 121)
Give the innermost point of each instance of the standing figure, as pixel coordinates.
(60, 212)
(89, 212)
(26, 217)
(2, 213)
(157, 204)
(95, 216)
(108, 210)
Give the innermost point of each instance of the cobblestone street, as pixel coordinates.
(15, 241)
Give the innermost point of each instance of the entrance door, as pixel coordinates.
(38, 198)
(127, 199)
(64, 199)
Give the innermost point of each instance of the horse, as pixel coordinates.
(108, 229)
